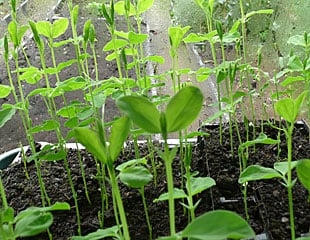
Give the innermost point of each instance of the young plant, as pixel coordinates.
(298, 66)
(181, 111)
(21, 103)
(95, 143)
(289, 110)
(29, 222)
(137, 176)
(280, 170)
(176, 35)
(243, 159)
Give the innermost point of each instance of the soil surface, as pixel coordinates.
(267, 200)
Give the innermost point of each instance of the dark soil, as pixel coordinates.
(267, 200)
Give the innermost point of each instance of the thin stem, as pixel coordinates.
(83, 173)
(119, 202)
(146, 212)
(3, 196)
(169, 176)
(289, 135)
(5, 207)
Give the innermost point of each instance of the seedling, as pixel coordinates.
(95, 143)
(137, 176)
(27, 223)
(181, 111)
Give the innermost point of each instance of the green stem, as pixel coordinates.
(189, 192)
(245, 201)
(74, 34)
(289, 134)
(83, 173)
(5, 207)
(146, 212)
(3, 196)
(119, 202)
(74, 195)
(169, 176)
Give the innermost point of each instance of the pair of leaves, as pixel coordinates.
(257, 172)
(16, 33)
(142, 6)
(197, 185)
(93, 140)
(52, 30)
(289, 108)
(181, 111)
(32, 220)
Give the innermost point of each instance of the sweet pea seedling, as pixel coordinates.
(181, 111)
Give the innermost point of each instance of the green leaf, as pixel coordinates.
(144, 5)
(119, 134)
(292, 79)
(72, 84)
(297, 40)
(194, 37)
(7, 215)
(53, 156)
(33, 224)
(99, 234)
(176, 35)
(177, 194)
(86, 32)
(218, 224)
(65, 64)
(119, 43)
(131, 163)
(303, 170)
(4, 91)
(91, 141)
(57, 206)
(231, 37)
(47, 125)
(72, 122)
(135, 176)
(86, 112)
(158, 59)
(199, 184)
(261, 139)
(282, 167)
(262, 11)
(109, 19)
(295, 64)
(135, 38)
(44, 28)
(196, 134)
(120, 8)
(5, 115)
(289, 108)
(183, 108)
(257, 172)
(12, 29)
(59, 27)
(203, 74)
(141, 111)
(21, 32)
(31, 75)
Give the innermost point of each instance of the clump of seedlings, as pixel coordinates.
(141, 116)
